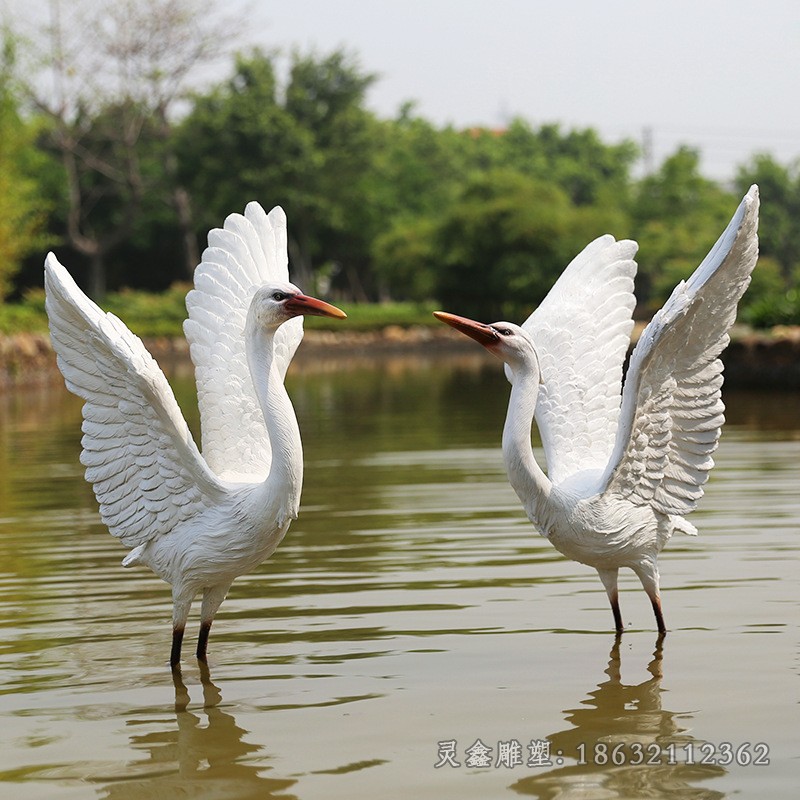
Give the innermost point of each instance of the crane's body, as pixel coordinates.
(197, 521)
(624, 465)
(226, 540)
(603, 532)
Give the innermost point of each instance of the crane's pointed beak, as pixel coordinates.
(311, 307)
(482, 334)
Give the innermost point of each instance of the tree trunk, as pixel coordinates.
(97, 276)
(356, 287)
(301, 266)
(183, 208)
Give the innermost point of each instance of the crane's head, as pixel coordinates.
(275, 303)
(510, 343)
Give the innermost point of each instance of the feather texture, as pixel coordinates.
(249, 251)
(565, 365)
(672, 409)
(582, 331)
(194, 528)
(140, 458)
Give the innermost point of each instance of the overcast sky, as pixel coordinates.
(722, 75)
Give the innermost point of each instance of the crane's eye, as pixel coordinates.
(278, 296)
(504, 331)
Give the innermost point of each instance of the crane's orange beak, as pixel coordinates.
(482, 334)
(311, 307)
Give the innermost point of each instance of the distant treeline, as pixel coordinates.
(123, 181)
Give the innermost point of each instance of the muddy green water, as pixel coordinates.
(411, 618)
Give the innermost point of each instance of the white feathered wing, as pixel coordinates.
(672, 409)
(140, 458)
(582, 332)
(249, 251)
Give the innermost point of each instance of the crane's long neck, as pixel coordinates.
(525, 475)
(282, 486)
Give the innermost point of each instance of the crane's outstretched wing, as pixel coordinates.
(248, 252)
(139, 455)
(581, 332)
(672, 409)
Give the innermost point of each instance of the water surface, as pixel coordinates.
(411, 609)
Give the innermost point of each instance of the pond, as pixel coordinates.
(412, 636)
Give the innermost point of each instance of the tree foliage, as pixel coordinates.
(774, 297)
(506, 239)
(116, 70)
(23, 207)
(138, 169)
(304, 145)
(676, 215)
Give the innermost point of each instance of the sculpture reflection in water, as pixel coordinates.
(630, 715)
(199, 754)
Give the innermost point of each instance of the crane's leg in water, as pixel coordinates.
(609, 579)
(180, 613)
(212, 600)
(648, 575)
(175, 653)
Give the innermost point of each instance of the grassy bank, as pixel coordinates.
(758, 359)
(151, 315)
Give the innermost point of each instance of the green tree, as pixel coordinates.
(676, 216)
(405, 258)
(578, 161)
(115, 71)
(305, 146)
(422, 171)
(418, 171)
(779, 216)
(238, 143)
(23, 206)
(506, 240)
(325, 97)
(417, 168)
(774, 296)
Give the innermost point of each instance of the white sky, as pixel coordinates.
(720, 75)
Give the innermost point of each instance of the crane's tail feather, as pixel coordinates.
(132, 559)
(682, 526)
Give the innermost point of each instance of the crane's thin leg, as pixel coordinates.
(619, 626)
(202, 640)
(609, 579)
(648, 575)
(212, 600)
(175, 653)
(180, 613)
(656, 601)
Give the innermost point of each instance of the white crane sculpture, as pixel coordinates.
(197, 521)
(623, 465)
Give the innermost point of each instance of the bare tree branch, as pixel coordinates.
(118, 70)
